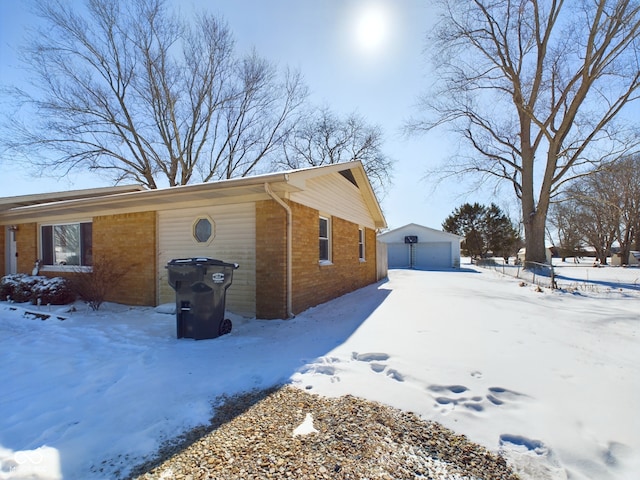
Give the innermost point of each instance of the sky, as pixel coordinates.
(364, 56)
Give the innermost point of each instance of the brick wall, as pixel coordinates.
(129, 240)
(314, 283)
(271, 266)
(27, 247)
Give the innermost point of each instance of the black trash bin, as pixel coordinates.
(200, 285)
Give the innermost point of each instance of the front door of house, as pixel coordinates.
(11, 251)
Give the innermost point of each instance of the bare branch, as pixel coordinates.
(536, 89)
(130, 89)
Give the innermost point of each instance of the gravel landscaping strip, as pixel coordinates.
(252, 437)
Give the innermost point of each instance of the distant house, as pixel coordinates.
(416, 246)
(523, 252)
(301, 237)
(634, 258)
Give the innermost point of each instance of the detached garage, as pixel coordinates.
(422, 248)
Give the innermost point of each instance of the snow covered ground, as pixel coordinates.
(551, 379)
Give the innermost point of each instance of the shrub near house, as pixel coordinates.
(21, 288)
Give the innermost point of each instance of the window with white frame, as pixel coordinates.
(324, 237)
(361, 243)
(67, 244)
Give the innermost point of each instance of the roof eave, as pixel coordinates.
(140, 199)
(7, 203)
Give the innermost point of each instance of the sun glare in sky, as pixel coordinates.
(372, 27)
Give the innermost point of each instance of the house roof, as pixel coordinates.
(7, 203)
(412, 228)
(135, 199)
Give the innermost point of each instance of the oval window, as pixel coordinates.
(203, 230)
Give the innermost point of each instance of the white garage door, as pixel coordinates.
(427, 256)
(433, 255)
(398, 255)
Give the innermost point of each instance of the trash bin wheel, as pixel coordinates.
(225, 326)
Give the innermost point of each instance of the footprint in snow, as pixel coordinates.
(378, 367)
(394, 374)
(447, 388)
(323, 366)
(531, 456)
(370, 357)
(499, 395)
(375, 360)
(449, 398)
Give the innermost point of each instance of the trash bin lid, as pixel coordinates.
(200, 261)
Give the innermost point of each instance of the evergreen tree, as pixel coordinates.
(501, 237)
(485, 229)
(467, 221)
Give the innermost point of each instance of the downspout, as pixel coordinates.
(267, 188)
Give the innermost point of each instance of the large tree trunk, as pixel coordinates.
(625, 240)
(534, 231)
(534, 214)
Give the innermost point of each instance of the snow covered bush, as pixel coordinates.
(17, 287)
(53, 291)
(20, 288)
(9, 284)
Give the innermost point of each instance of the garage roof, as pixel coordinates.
(423, 233)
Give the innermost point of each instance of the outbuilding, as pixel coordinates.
(522, 253)
(634, 258)
(301, 237)
(420, 247)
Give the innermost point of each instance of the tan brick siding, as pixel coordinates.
(27, 247)
(130, 240)
(271, 266)
(314, 283)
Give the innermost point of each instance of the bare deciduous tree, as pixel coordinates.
(602, 208)
(626, 182)
(323, 138)
(564, 218)
(597, 214)
(130, 89)
(535, 88)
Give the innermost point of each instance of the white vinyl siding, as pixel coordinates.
(234, 241)
(336, 196)
(434, 250)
